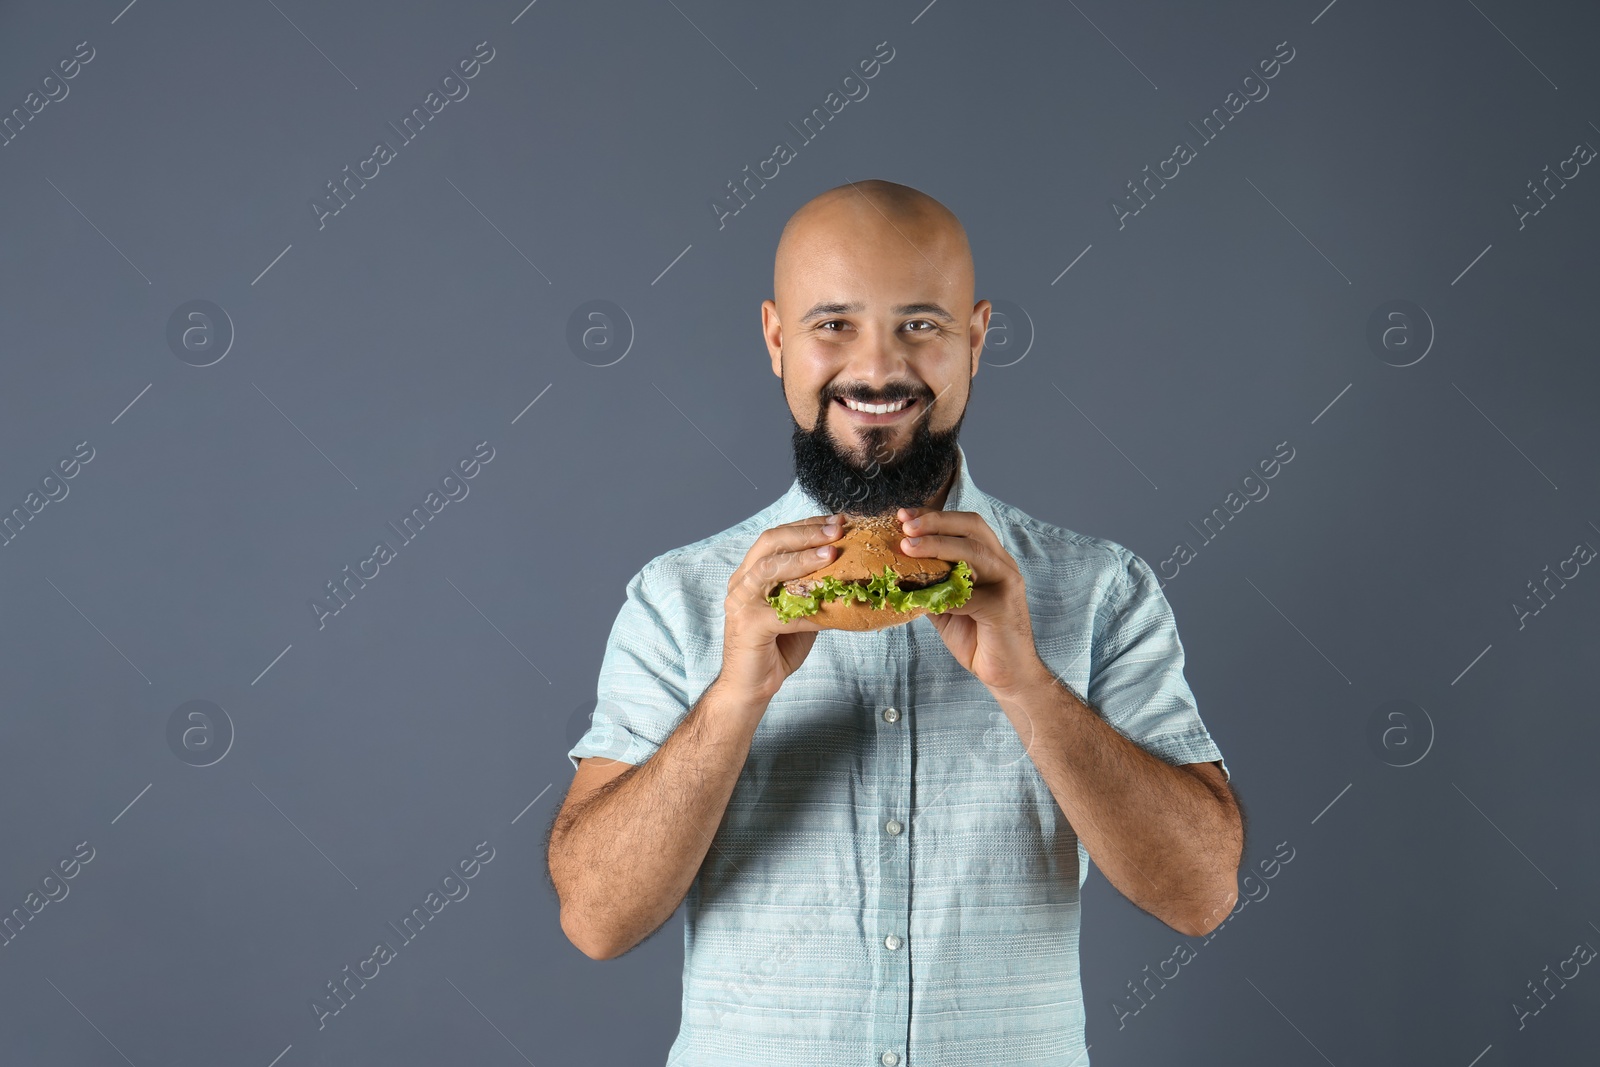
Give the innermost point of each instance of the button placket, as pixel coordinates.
(894, 773)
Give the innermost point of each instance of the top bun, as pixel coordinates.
(868, 544)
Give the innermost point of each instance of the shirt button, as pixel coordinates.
(892, 942)
(889, 1059)
(893, 826)
(891, 715)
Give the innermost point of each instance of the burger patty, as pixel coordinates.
(805, 586)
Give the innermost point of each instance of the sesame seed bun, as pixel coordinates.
(867, 545)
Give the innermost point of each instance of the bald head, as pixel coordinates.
(898, 220)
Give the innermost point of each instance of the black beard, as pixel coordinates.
(886, 481)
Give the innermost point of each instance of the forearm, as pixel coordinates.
(1160, 834)
(624, 858)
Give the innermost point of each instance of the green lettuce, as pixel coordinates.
(881, 590)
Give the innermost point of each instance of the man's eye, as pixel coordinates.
(929, 323)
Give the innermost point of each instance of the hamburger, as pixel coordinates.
(870, 584)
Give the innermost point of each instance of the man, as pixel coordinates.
(881, 837)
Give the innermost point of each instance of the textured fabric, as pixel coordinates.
(786, 962)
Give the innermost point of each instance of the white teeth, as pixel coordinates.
(875, 409)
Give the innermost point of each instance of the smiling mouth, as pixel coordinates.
(886, 412)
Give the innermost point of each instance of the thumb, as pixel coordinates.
(795, 647)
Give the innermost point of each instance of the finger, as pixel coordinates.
(952, 548)
(911, 515)
(957, 524)
(932, 520)
(790, 537)
(793, 535)
(767, 572)
(810, 520)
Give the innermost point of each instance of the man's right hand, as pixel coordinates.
(758, 650)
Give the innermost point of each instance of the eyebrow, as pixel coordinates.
(835, 308)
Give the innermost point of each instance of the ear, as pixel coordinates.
(772, 332)
(980, 330)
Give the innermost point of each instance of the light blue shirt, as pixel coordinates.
(893, 882)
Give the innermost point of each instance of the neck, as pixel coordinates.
(936, 502)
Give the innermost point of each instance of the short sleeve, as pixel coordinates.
(1136, 675)
(642, 694)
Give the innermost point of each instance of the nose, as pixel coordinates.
(875, 361)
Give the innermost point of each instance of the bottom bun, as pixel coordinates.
(859, 615)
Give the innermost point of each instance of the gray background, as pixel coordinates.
(435, 710)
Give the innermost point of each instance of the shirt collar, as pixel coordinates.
(964, 495)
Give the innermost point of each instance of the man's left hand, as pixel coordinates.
(990, 635)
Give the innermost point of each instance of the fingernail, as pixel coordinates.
(830, 528)
(913, 540)
(825, 550)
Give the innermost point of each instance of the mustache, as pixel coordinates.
(888, 395)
